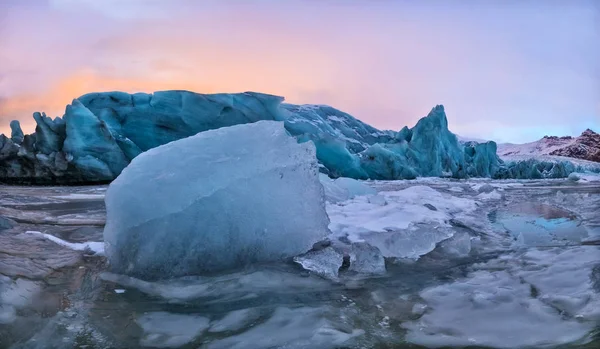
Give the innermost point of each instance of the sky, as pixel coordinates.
(505, 70)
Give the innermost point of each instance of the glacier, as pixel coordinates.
(101, 133)
(218, 200)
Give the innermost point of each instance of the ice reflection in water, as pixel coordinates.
(534, 224)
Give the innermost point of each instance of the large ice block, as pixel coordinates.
(216, 200)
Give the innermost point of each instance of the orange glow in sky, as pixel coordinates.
(504, 71)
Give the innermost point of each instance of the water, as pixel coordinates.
(522, 270)
(534, 224)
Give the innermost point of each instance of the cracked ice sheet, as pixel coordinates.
(564, 279)
(401, 214)
(539, 298)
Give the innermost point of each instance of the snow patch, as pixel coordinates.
(95, 246)
(405, 226)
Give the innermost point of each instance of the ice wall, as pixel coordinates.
(100, 133)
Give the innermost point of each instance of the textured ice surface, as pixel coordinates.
(366, 259)
(343, 188)
(540, 298)
(362, 257)
(490, 309)
(245, 193)
(325, 262)
(588, 177)
(100, 133)
(544, 166)
(459, 245)
(404, 226)
(545, 295)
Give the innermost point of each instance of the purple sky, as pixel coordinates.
(505, 70)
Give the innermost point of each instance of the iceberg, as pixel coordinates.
(218, 200)
(101, 133)
(342, 188)
(325, 263)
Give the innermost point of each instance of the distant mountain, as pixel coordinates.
(586, 147)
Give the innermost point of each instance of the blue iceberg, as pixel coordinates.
(218, 200)
(100, 133)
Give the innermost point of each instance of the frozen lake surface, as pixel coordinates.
(470, 263)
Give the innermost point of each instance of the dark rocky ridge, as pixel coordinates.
(586, 147)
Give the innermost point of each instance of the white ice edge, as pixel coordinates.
(96, 246)
(76, 196)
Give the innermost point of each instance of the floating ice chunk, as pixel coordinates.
(342, 189)
(333, 193)
(167, 330)
(291, 329)
(366, 259)
(589, 177)
(244, 194)
(326, 262)
(405, 207)
(574, 177)
(493, 195)
(94, 247)
(354, 187)
(458, 245)
(404, 227)
(411, 244)
(485, 188)
(456, 189)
